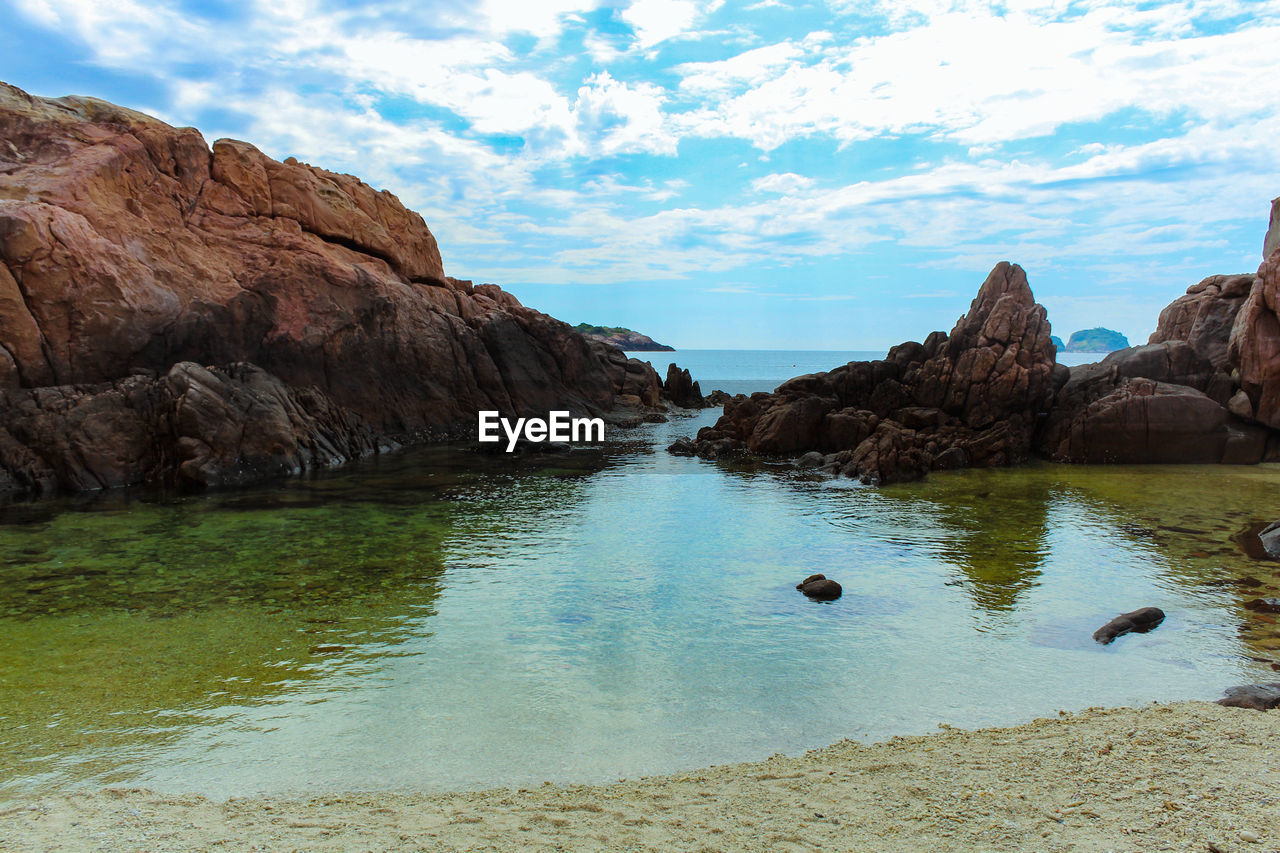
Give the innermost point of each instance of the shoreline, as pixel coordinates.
(1185, 776)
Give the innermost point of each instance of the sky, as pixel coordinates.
(836, 174)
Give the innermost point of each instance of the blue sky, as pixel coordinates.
(821, 175)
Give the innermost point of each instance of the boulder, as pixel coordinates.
(1203, 317)
(820, 588)
(1257, 697)
(1137, 621)
(128, 245)
(1269, 536)
(1254, 347)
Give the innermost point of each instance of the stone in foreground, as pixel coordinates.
(1136, 621)
(1258, 697)
(820, 588)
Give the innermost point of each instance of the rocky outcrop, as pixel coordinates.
(970, 398)
(1203, 317)
(128, 247)
(1254, 348)
(682, 390)
(1205, 389)
(194, 425)
(1159, 403)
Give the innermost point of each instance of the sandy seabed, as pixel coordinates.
(1185, 776)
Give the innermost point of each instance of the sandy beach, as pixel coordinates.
(1186, 776)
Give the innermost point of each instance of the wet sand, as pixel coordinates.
(1186, 776)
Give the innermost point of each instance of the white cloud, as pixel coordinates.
(787, 183)
(655, 21)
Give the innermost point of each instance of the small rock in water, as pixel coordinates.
(1139, 621)
(1259, 697)
(820, 587)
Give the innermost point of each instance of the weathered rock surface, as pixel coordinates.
(1206, 388)
(970, 398)
(194, 425)
(682, 390)
(1258, 697)
(1159, 403)
(1203, 317)
(1138, 621)
(127, 246)
(1255, 342)
(1269, 537)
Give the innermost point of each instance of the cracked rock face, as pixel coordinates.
(127, 245)
(968, 399)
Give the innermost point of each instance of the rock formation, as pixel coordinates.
(131, 253)
(1206, 388)
(682, 390)
(970, 398)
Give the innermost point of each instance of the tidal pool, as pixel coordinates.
(438, 619)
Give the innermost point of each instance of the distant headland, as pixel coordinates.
(1092, 340)
(622, 338)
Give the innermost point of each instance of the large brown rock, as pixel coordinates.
(1158, 403)
(1203, 317)
(1255, 343)
(970, 398)
(128, 245)
(193, 426)
(681, 389)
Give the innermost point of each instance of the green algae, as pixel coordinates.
(496, 619)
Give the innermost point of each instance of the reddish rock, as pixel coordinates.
(1140, 421)
(1204, 316)
(1255, 344)
(128, 245)
(681, 390)
(971, 398)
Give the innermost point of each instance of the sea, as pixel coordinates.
(439, 619)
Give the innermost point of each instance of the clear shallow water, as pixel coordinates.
(438, 620)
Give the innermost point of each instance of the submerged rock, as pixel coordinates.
(1258, 697)
(1269, 536)
(1137, 621)
(820, 588)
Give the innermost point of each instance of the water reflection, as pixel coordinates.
(440, 620)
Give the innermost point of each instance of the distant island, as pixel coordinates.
(623, 339)
(1092, 340)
